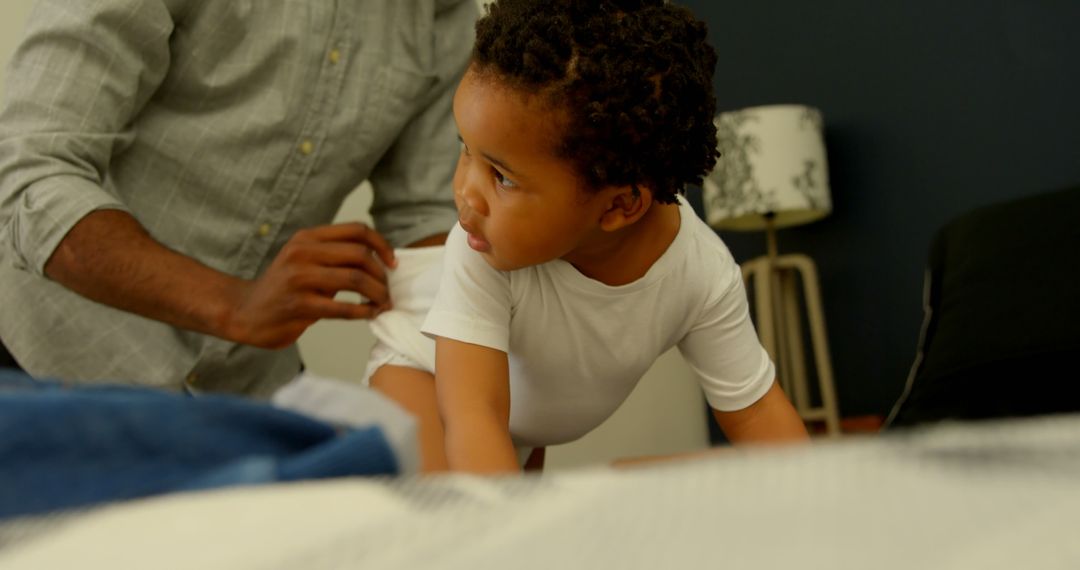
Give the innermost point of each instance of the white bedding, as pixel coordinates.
(996, 495)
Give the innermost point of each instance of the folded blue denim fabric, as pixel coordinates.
(66, 447)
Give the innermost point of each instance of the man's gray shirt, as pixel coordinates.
(223, 126)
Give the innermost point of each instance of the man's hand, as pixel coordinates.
(108, 257)
(299, 286)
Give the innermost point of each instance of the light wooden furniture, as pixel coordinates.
(776, 281)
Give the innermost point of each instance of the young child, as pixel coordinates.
(575, 263)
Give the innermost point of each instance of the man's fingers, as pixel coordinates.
(352, 232)
(313, 307)
(333, 279)
(345, 254)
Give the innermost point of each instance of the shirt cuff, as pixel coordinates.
(47, 211)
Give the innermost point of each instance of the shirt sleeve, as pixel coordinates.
(81, 74)
(474, 302)
(723, 350)
(413, 181)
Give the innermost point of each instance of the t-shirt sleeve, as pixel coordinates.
(723, 350)
(473, 304)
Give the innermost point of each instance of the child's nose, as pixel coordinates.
(472, 193)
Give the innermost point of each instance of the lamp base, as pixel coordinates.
(777, 309)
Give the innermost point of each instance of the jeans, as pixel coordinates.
(63, 447)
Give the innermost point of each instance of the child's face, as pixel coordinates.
(519, 203)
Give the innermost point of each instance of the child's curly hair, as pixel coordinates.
(634, 78)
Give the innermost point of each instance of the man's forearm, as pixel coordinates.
(110, 258)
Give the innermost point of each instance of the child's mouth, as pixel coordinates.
(479, 244)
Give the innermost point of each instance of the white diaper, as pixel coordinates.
(399, 342)
(413, 285)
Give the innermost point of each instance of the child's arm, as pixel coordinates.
(771, 419)
(473, 387)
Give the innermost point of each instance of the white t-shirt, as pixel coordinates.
(577, 347)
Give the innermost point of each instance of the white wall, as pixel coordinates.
(665, 414)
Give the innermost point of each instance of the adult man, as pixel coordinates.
(166, 165)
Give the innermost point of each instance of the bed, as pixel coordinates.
(997, 494)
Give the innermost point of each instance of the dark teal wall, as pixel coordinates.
(931, 108)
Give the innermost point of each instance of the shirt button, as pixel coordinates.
(264, 230)
(334, 56)
(307, 147)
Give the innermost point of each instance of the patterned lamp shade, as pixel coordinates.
(772, 162)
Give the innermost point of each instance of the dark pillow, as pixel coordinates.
(1002, 330)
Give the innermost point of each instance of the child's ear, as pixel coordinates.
(625, 205)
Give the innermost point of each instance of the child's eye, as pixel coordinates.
(503, 181)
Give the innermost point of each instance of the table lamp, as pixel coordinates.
(772, 174)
